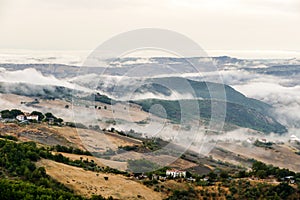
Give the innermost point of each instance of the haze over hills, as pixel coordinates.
(145, 113)
(138, 79)
(204, 106)
(247, 113)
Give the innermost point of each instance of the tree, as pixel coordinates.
(257, 165)
(6, 114)
(224, 175)
(15, 113)
(41, 115)
(284, 190)
(188, 174)
(49, 115)
(261, 174)
(212, 176)
(242, 174)
(59, 120)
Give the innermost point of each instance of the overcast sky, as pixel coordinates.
(213, 24)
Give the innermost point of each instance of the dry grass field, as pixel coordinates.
(99, 161)
(83, 112)
(280, 155)
(81, 138)
(88, 183)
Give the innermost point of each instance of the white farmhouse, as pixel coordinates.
(176, 173)
(20, 117)
(33, 117)
(250, 140)
(294, 138)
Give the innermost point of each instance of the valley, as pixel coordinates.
(120, 137)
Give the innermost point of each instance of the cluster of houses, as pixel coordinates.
(289, 179)
(27, 116)
(174, 173)
(22, 118)
(272, 178)
(253, 140)
(293, 139)
(170, 173)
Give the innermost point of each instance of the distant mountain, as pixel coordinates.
(235, 114)
(141, 67)
(39, 91)
(202, 90)
(155, 80)
(56, 70)
(277, 70)
(240, 110)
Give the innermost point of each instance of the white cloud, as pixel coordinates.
(271, 89)
(42, 57)
(32, 76)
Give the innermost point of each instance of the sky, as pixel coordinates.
(216, 25)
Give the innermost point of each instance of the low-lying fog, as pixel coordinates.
(280, 91)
